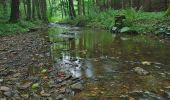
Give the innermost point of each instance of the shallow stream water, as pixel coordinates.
(106, 62)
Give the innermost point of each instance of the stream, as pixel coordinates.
(112, 66)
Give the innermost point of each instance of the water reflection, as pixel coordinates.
(110, 59)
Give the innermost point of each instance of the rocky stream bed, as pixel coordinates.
(68, 63)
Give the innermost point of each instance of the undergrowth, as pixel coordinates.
(7, 28)
(135, 19)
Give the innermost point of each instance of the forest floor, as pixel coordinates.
(26, 69)
(19, 55)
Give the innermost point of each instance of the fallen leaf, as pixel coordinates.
(44, 94)
(162, 90)
(44, 71)
(35, 85)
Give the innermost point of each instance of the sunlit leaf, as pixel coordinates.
(124, 29)
(168, 87)
(35, 86)
(44, 71)
(162, 90)
(146, 63)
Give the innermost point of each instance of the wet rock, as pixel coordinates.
(25, 96)
(4, 73)
(1, 80)
(34, 79)
(60, 97)
(3, 98)
(114, 30)
(8, 94)
(67, 76)
(140, 71)
(62, 90)
(4, 88)
(25, 85)
(136, 93)
(77, 86)
(124, 96)
(16, 75)
(43, 94)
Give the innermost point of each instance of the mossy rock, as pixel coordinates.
(129, 31)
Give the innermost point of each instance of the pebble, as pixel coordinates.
(44, 94)
(77, 86)
(140, 71)
(4, 88)
(1, 80)
(25, 96)
(25, 86)
(8, 94)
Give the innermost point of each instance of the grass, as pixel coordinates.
(20, 27)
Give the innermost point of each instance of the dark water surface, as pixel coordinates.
(106, 63)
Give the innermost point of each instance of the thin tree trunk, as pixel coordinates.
(64, 8)
(33, 9)
(38, 9)
(122, 4)
(5, 10)
(150, 5)
(28, 9)
(44, 10)
(15, 13)
(84, 7)
(25, 11)
(72, 12)
(80, 7)
(51, 8)
(166, 4)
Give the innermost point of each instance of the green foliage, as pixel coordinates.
(135, 19)
(20, 27)
(125, 29)
(168, 11)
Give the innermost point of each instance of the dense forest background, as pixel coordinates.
(32, 9)
(93, 12)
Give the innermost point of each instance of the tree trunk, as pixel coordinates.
(38, 9)
(84, 7)
(72, 12)
(51, 7)
(28, 9)
(165, 3)
(15, 13)
(80, 7)
(33, 9)
(150, 5)
(25, 11)
(44, 10)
